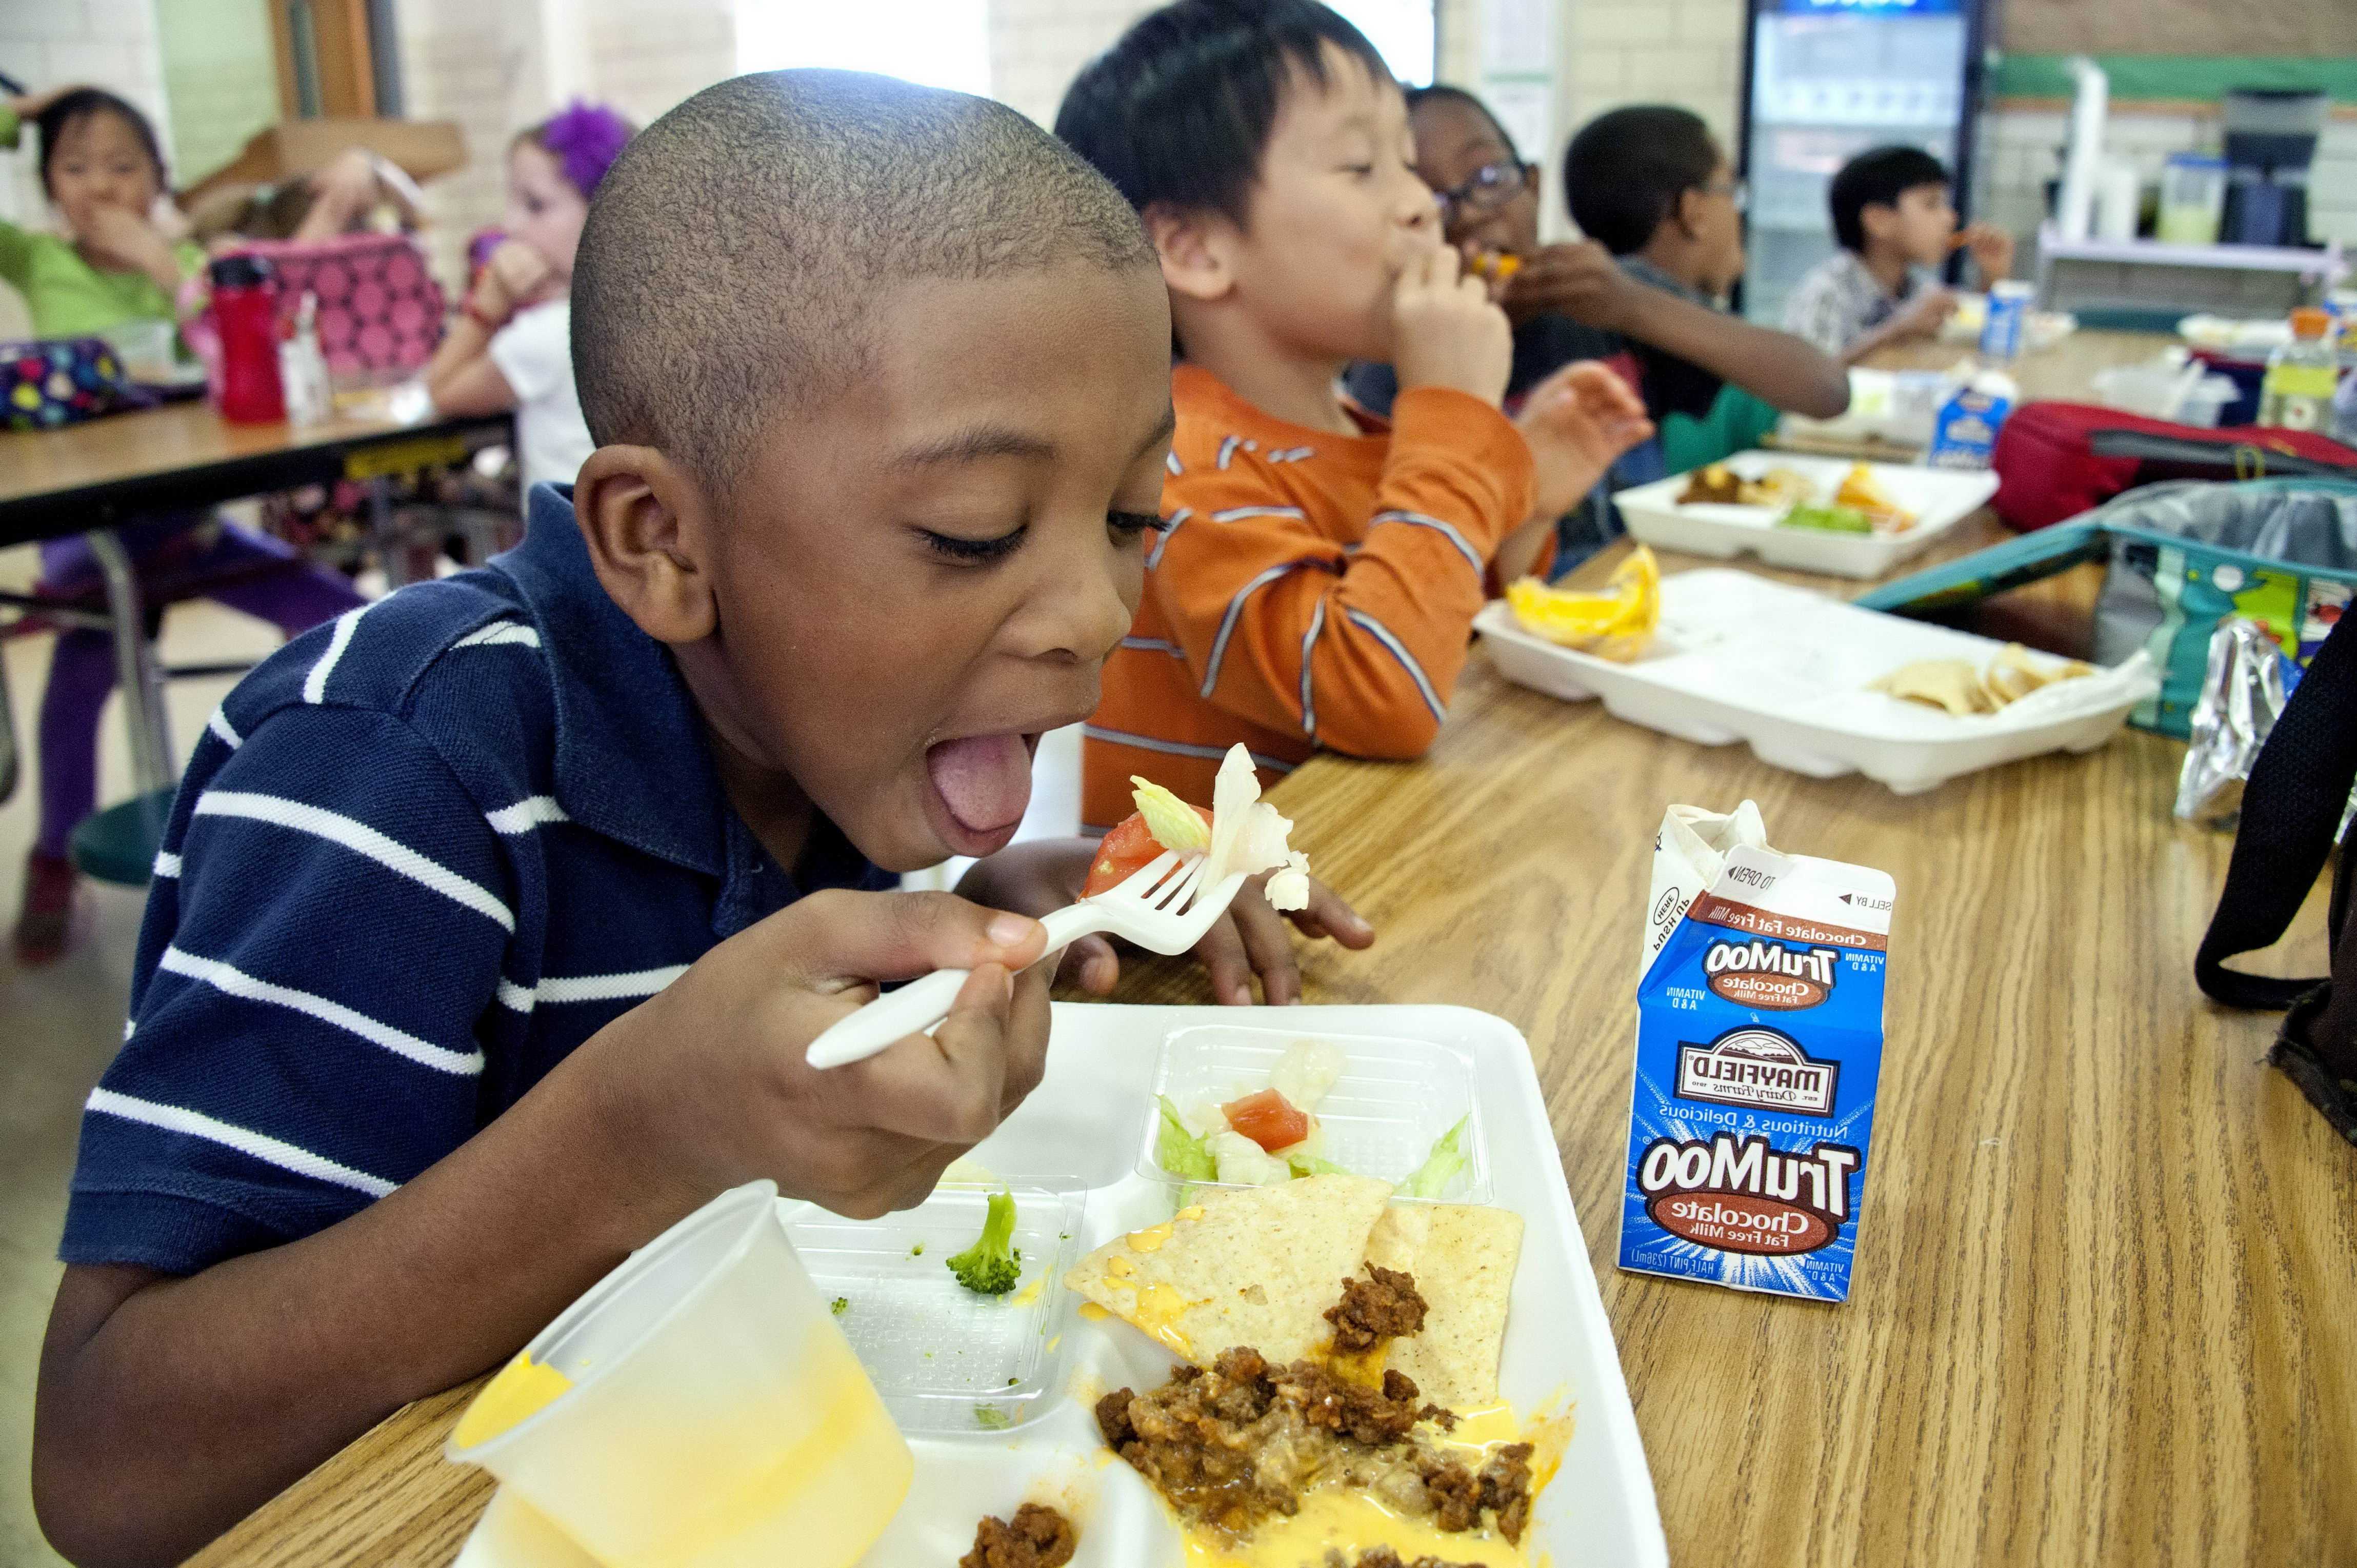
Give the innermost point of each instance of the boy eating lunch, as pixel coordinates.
(1895, 224)
(1317, 569)
(494, 922)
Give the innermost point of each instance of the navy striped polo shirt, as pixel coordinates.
(421, 854)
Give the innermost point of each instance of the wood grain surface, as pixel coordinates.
(2106, 1261)
(170, 439)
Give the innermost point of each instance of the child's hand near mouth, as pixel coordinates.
(1249, 940)
(708, 1078)
(1445, 331)
(1578, 279)
(126, 242)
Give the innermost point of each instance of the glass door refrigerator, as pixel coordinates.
(1825, 80)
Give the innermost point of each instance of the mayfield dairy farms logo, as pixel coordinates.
(1758, 973)
(1737, 1194)
(1758, 1067)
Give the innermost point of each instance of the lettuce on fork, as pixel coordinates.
(1248, 835)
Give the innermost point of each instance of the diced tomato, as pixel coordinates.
(1125, 852)
(1268, 1119)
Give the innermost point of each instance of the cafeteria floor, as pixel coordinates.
(59, 1025)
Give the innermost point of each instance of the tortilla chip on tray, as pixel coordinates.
(1958, 687)
(1259, 1266)
(1464, 1257)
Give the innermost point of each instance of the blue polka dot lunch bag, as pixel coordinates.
(62, 382)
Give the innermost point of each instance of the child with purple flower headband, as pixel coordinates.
(511, 345)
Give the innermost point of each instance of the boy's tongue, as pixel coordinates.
(984, 780)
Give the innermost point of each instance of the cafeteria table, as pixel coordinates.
(2102, 1307)
(87, 478)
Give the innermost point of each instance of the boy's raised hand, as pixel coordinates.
(1445, 332)
(1923, 315)
(1577, 422)
(1577, 279)
(515, 275)
(1992, 251)
(707, 1076)
(129, 241)
(1251, 939)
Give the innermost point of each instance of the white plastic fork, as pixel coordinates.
(1158, 911)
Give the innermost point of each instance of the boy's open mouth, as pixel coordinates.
(983, 783)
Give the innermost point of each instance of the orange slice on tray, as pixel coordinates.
(1617, 624)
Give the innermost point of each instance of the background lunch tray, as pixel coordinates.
(1938, 498)
(1740, 658)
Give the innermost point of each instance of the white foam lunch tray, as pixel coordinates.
(1738, 657)
(1083, 1126)
(1938, 498)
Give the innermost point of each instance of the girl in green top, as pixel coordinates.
(103, 168)
(100, 166)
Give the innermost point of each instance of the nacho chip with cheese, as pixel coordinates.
(1255, 1266)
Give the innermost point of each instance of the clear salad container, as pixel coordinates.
(1391, 1106)
(947, 1361)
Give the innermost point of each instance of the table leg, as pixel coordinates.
(391, 550)
(8, 749)
(134, 666)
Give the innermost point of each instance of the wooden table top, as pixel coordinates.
(2102, 1307)
(186, 454)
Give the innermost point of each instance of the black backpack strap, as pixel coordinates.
(2167, 456)
(2292, 805)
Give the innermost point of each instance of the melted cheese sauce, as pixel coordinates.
(523, 1388)
(1157, 1312)
(1351, 1521)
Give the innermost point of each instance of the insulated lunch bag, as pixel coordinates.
(2056, 460)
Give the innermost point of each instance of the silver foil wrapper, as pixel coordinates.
(2242, 692)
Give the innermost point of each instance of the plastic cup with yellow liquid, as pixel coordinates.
(698, 1408)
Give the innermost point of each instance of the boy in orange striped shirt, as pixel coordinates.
(1318, 572)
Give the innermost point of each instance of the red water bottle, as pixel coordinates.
(245, 313)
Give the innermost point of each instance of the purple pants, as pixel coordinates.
(173, 558)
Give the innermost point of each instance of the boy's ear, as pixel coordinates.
(648, 533)
(1196, 251)
(1875, 220)
(1686, 212)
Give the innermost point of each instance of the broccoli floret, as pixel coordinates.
(991, 1267)
(839, 1306)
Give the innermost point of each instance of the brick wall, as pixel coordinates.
(49, 43)
(1037, 47)
(496, 68)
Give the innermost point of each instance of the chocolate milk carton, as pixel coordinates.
(1758, 1040)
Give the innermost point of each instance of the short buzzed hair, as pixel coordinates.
(734, 253)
